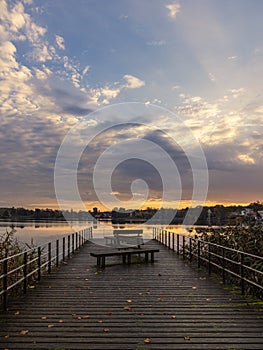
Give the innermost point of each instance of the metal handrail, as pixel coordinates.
(29, 266)
(203, 252)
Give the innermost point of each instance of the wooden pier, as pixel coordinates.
(167, 304)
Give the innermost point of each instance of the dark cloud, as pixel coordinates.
(68, 99)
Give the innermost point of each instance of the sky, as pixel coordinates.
(185, 75)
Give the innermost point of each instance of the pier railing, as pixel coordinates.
(234, 266)
(21, 271)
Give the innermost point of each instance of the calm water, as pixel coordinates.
(42, 232)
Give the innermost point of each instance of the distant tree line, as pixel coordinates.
(210, 215)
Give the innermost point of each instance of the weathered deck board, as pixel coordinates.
(168, 302)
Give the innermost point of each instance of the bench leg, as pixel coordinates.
(103, 262)
(146, 257)
(124, 258)
(152, 257)
(129, 258)
(98, 261)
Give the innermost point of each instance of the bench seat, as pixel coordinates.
(125, 238)
(126, 254)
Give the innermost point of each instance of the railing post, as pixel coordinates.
(169, 240)
(178, 244)
(183, 247)
(198, 253)
(57, 252)
(209, 258)
(173, 240)
(39, 264)
(242, 273)
(76, 240)
(5, 277)
(190, 249)
(64, 248)
(68, 246)
(72, 249)
(223, 265)
(25, 273)
(49, 257)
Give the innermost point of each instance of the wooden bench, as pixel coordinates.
(125, 238)
(126, 255)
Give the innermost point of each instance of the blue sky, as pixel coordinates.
(61, 60)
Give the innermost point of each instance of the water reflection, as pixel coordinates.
(44, 231)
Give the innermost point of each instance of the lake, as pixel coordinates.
(43, 231)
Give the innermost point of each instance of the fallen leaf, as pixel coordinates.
(43, 317)
(50, 325)
(147, 340)
(24, 331)
(127, 308)
(31, 287)
(17, 313)
(194, 287)
(187, 337)
(73, 314)
(86, 316)
(99, 321)
(208, 299)
(129, 301)
(173, 316)
(106, 330)
(7, 336)
(60, 321)
(160, 299)
(79, 317)
(148, 293)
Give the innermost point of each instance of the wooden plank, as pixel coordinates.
(169, 302)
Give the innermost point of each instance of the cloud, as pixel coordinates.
(174, 9)
(63, 97)
(85, 70)
(245, 158)
(232, 58)
(156, 43)
(196, 106)
(60, 42)
(236, 93)
(123, 17)
(212, 77)
(133, 82)
(104, 94)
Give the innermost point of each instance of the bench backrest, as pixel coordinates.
(127, 232)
